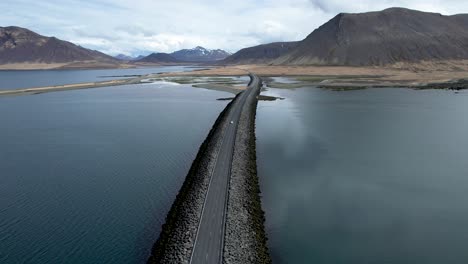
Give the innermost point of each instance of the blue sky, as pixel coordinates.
(139, 26)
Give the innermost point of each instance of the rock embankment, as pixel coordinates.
(175, 242)
(245, 238)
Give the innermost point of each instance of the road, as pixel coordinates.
(209, 242)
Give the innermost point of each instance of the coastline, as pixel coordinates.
(451, 75)
(424, 75)
(67, 87)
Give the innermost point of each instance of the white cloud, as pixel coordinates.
(132, 27)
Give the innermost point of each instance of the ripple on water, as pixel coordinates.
(88, 175)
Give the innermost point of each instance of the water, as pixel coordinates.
(37, 78)
(87, 176)
(284, 80)
(369, 176)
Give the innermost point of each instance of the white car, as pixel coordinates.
(232, 122)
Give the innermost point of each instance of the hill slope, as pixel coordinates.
(20, 45)
(385, 37)
(260, 54)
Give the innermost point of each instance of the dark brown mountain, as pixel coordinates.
(20, 45)
(158, 58)
(380, 38)
(260, 54)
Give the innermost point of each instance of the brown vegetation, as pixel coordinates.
(399, 74)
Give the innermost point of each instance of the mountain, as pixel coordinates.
(384, 37)
(20, 45)
(124, 57)
(260, 54)
(158, 58)
(200, 54)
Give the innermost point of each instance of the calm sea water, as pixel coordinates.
(37, 78)
(87, 176)
(371, 176)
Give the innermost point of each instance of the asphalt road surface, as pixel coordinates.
(209, 242)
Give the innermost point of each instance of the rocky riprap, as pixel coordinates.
(245, 238)
(175, 242)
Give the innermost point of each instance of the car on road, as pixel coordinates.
(232, 122)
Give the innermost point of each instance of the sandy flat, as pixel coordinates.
(31, 66)
(404, 73)
(71, 65)
(46, 89)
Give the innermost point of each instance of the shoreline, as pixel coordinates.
(418, 76)
(67, 87)
(337, 78)
(86, 65)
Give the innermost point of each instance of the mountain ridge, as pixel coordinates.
(376, 38)
(195, 55)
(382, 38)
(263, 53)
(21, 45)
(158, 58)
(200, 54)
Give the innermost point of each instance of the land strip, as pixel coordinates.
(424, 75)
(175, 242)
(245, 238)
(413, 75)
(196, 227)
(67, 87)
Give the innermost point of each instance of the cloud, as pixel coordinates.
(133, 27)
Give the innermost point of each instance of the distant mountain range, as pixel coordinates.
(158, 58)
(375, 38)
(200, 54)
(124, 57)
(20, 45)
(197, 54)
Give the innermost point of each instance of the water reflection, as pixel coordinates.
(365, 176)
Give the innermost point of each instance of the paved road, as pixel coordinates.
(209, 242)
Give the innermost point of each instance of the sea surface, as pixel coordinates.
(87, 176)
(37, 78)
(369, 176)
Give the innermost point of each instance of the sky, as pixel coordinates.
(134, 27)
